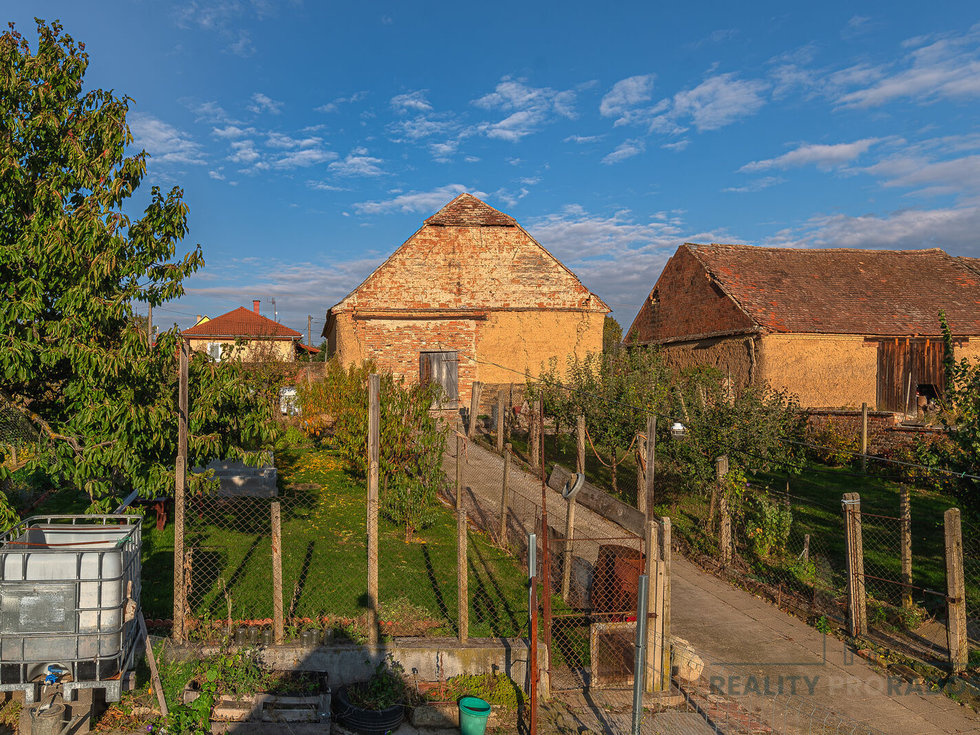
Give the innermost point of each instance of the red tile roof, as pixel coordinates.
(242, 322)
(971, 263)
(468, 211)
(843, 291)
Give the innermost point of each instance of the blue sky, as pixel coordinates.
(312, 138)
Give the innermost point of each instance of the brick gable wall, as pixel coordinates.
(687, 304)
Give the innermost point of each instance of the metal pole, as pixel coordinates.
(532, 642)
(545, 558)
(374, 455)
(639, 664)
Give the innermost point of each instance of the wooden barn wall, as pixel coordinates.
(903, 365)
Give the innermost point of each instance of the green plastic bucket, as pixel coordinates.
(473, 714)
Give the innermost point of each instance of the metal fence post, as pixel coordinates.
(580, 444)
(955, 592)
(639, 662)
(532, 626)
(566, 567)
(864, 437)
(857, 609)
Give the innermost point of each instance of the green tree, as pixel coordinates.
(612, 334)
(74, 359)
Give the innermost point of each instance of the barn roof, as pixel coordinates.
(971, 263)
(242, 322)
(468, 211)
(846, 291)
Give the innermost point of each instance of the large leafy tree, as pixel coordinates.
(74, 265)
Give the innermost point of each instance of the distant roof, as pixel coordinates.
(971, 263)
(468, 211)
(242, 322)
(844, 291)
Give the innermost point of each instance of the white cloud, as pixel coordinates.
(279, 140)
(263, 103)
(422, 126)
(208, 111)
(418, 201)
(626, 94)
(758, 185)
(716, 102)
(335, 104)
(945, 68)
(953, 176)
(582, 138)
(231, 132)
(823, 156)
(677, 145)
(953, 229)
(224, 17)
(164, 142)
(596, 247)
(301, 158)
(324, 186)
(626, 149)
(529, 108)
(411, 101)
(358, 163)
(243, 151)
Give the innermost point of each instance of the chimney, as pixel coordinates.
(255, 305)
(197, 319)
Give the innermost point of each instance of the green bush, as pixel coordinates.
(767, 525)
(834, 445)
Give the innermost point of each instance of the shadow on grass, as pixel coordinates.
(434, 581)
(301, 582)
(483, 603)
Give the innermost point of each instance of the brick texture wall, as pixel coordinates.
(687, 304)
(507, 307)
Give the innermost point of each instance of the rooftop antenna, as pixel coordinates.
(275, 313)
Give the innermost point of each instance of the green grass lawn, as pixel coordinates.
(325, 558)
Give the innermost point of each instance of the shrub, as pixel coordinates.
(767, 526)
(834, 445)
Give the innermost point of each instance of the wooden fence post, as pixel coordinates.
(533, 450)
(501, 420)
(462, 572)
(504, 496)
(721, 469)
(724, 530)
(653, 672)
(566, 567)
(857, 609)
(864, 437)
(905, 513)
(374, 441)
(641, 475)
(956, 636)
(278, 630)
(476, 389)
(651, 456)
(180, 483)
(459, 471)
(580, 444)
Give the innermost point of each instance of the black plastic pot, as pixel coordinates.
(366, 721)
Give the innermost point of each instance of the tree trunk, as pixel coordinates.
(615, 489)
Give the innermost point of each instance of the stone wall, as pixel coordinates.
(886, 432)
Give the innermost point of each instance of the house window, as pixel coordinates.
(214, 351)
(441, 368)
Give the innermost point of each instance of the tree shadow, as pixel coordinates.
(300, 585)
(492, 609)
(434, 581)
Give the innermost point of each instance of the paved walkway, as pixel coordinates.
(753, 651)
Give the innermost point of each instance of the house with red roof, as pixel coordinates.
(246, 335)
(471, 296)
(836, 327)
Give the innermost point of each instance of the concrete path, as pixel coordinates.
(768, 662)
